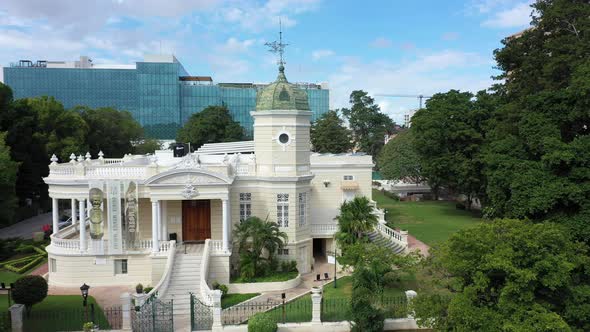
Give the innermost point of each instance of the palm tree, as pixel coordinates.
(356, 217)
(254, 236)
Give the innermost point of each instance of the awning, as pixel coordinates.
(349, 185)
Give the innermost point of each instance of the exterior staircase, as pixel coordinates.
(185, 278)
(377, 238)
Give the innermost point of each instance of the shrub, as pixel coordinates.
(460, 206)
(221, 287)
(391, 195)
(365, 316)
(391, 279)
(262, 323)
(292, 266)
(247, 266)
(29, 290)
(139, 288)
(148, 289)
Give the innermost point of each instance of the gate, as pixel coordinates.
(201, 315)
(154, 315)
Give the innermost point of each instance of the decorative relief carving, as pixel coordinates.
(189, 191)
(189, 161)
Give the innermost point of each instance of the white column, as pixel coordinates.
(125, 299)
(82, 211)
(164, 221)
(225, 224)
(316, 302)
(155, 243)
(74, 212)
(55, 214)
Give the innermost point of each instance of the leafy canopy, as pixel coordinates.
(399, 160)
(329, 135)
(356, 218)
(369, 126)
(214, 124)
(8, 172)
(509, 275)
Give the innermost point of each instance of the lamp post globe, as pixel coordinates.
(84, 289)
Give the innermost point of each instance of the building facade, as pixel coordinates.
(167, 221)
(158, 91)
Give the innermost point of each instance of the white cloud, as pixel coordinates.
(234, 45)
(517, 16)
(426, 74)
(318, 54)
(381, 42)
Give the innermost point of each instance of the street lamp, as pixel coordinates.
(84, 289)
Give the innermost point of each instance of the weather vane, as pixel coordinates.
(278, 47)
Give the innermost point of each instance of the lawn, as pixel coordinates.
(429, 221)
(233, 299)
(59, 313)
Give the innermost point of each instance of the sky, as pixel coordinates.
(383, 47)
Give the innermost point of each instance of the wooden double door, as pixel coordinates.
(196, 220)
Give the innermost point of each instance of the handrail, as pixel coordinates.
(392, 235)
(162, 286)
(204, 287)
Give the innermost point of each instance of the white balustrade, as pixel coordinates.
(62, 170)
(243, 169)
(204, 287)
(216, 247)
(324, 229)
(392, 235)
(112, 161)
(115, 172)
(162, 285)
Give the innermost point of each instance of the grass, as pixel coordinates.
(233, 299)
(429, 221)
(277, 276)
(59, 313)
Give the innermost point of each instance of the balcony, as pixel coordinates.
(326, 230)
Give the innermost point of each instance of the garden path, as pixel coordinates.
(41, 270)
(415, 244)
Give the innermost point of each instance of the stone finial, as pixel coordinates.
(72, 158)
(53, 159)
(88, 156)
(100, 155)
(80, 158)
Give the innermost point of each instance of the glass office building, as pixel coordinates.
(158, 91)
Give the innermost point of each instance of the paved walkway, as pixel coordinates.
(415, 244)
(24, 229)
(105, 296)
(41, 270)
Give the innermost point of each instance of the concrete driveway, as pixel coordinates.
(27, 227)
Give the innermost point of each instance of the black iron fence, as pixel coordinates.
(339, 309)
(72, 319)
(296, 311)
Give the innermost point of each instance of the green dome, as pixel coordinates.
(281, 95)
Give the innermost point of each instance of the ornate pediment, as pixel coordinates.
(188, 179)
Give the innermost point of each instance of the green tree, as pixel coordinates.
(399, 160)
(63, 131)
(356, 218)
(5, 97)
(509, 275)
(329, 135)
(146, 146)
(369, 126)
(27, 143)
(448, 137)
(538, 159)
(258, 241)
(214, 124)
(110, 131)
(8, 175)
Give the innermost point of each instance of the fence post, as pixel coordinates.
(410, 295)
(216, 299)
(125, 299)
(316, 302)
(16, 317)
(139, 299)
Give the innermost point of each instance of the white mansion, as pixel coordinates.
(143, 212)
